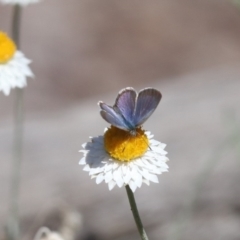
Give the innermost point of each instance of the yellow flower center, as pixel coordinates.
(7, 48)
(125, 146)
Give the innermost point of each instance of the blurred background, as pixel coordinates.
(86, 51)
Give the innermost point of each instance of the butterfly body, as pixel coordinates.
(131, 109)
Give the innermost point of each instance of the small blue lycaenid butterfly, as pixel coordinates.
(131, 109)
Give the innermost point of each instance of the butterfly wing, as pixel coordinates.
(125, 104)
(147, 101)
(112, 116)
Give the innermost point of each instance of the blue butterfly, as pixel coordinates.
(131, 109)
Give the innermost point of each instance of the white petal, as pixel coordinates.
(108, 177)
(117, 176)
(153, 178)
(99, 178)
(132, 185)
(126, 174)
(108, 167)
(139, 162)
(111, 185)
(86, 168)
(82, 161)
(146, 181)
(96, 170)
(137, 177)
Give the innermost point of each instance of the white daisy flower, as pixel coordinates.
(14, 68)
(20, 2)
(120, 158)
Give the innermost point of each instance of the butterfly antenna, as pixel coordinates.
(145, 142)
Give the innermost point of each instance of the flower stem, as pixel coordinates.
(16, 24)
(135, 213)
(13, 219)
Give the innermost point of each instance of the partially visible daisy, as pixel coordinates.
(121, 158)
(14, 68)
(19, 2)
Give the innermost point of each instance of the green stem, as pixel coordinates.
(13, 220)
(16, 24)
(135, 213)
